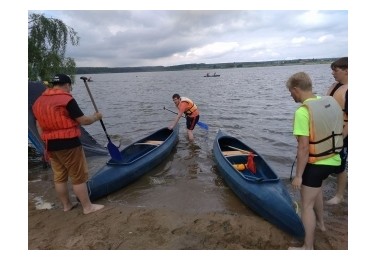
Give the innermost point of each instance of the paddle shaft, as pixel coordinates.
(173, 112)
(238, 149)
(95, 106)
(113, 150)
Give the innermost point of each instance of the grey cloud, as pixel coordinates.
(149, 38)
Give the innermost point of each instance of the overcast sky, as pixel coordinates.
(152, 38)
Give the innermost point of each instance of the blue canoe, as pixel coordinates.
(262, 191)
(139, 158)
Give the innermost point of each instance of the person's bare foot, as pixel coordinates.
(93, 208)
(70, 207)
(334, 201)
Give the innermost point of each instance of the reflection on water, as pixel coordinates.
(252, 104)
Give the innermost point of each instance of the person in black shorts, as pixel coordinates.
(318, 125)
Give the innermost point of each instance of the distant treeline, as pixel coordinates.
(201, 66)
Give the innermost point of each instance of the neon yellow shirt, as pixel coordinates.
(301, 127)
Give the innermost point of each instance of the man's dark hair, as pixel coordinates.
(176, 96)
(341, 63)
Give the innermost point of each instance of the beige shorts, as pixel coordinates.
(69, 163)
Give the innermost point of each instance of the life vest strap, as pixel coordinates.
(333, 150)
(188, 111)
(324, 139)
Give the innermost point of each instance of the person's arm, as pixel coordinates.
(88, 120)
(181, 110)
(176, 120)
(76, 114)
(302, 160)
(301, 131)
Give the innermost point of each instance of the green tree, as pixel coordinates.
(48, 38)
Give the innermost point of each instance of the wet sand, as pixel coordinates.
(121, 226)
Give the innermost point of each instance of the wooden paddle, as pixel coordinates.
(240, 150)
(113, 150)
(152, 142)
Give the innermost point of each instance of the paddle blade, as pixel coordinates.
(114, 152)
(202, 125)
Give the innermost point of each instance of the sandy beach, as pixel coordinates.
(125, 227)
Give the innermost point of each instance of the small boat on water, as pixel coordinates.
(262, 190)
(214, 75)
(139, 158)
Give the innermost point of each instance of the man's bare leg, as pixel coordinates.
(340, 189)
(309, 197)
(61, 189)
(318, 210)
(190, 135)
(81, 192)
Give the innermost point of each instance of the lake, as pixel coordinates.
(252, 104)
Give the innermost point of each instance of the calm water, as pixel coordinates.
(252, 104)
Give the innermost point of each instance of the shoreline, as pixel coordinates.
(123, 227)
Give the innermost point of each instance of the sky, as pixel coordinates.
(126, 38)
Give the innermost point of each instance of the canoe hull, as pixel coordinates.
(263, 192)
(139, 158)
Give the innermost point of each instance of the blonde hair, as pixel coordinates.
(300, 80)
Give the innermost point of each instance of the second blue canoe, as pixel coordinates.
(262, 191)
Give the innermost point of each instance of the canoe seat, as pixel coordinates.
(232, 153)
(152, 142)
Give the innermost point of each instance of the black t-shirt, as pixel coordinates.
(61, 144)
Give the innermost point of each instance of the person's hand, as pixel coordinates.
(97, 116)
(296, 183)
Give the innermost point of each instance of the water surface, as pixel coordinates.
(252, 104)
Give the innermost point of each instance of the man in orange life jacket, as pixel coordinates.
(58, 117)
(318, 126)
(339, 90)
(186, 106)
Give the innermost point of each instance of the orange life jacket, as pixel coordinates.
(326, 125)
(191, 108)
(53, 117)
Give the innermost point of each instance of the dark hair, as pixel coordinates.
(341, 63)
(176, 96)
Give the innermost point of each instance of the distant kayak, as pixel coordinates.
(208, 76)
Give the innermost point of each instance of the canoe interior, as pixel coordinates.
(232, 156)
(142, 147)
